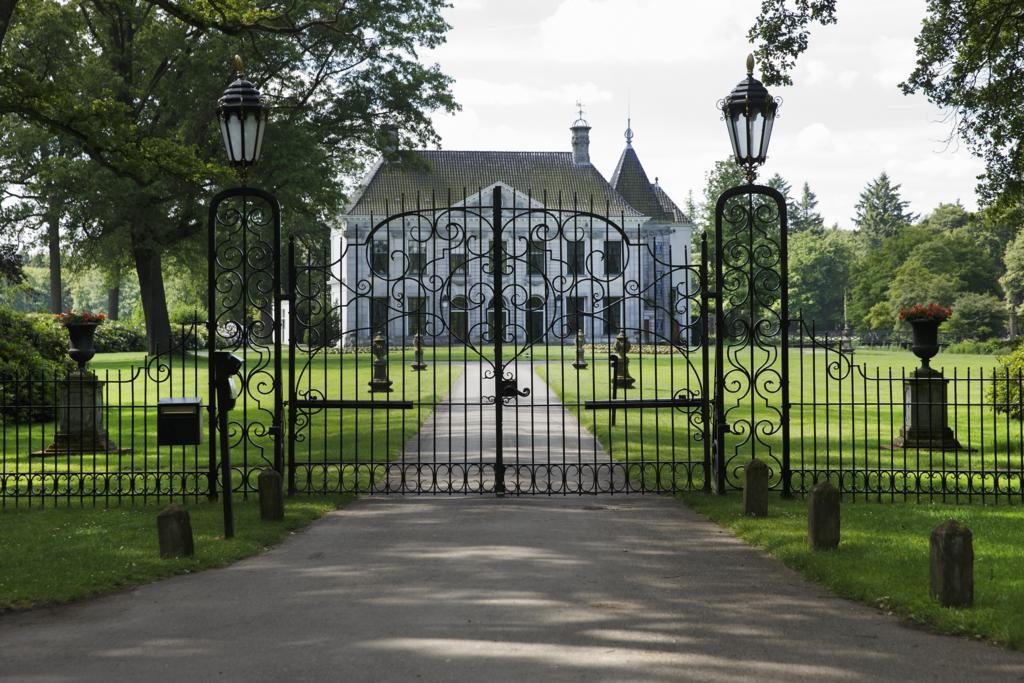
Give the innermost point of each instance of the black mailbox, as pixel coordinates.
(179, 421)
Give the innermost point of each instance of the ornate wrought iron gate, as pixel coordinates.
(498, 344)
(506, 342)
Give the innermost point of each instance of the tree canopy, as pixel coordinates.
(127, 89)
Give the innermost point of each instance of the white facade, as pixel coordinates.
(433, 276)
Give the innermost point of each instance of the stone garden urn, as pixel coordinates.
(80, 411)
(925, 416)
(924, 342)
(83, 345)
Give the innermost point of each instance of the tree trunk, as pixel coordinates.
(154, 300)
(114, 301)
(1013, 321)
(53, 238)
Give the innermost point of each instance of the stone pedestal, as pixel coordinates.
(174, 532)
(80, 417)
(823, 517)
(925, 416)
(755, 489)
(951, 565)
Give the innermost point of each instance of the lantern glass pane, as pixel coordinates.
(226, 136)
(259, 136)
(740, 122)
(252, 126)
(729, 125)
(234, 125)
(768, 123)
(756, 134)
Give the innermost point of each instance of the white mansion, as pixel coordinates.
(415, 250)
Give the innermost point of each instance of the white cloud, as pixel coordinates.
(521, 65)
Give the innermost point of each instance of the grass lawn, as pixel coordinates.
(325, 436)
(843, 420)
(882, 559)
(57, 555)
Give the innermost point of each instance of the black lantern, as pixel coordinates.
(749, 113)
(242, 113)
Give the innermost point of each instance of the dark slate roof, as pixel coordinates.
(669, 206)
(462, 173)
(631, 182)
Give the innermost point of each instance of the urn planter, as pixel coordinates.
(83, 346)
(925, 404)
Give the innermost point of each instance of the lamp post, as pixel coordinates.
(244, 267)
(751, 290)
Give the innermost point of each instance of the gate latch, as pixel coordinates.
(510, 389)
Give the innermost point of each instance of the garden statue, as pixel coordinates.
(417, 345)
(925, 418)
(581, 360)
(622, 380)
(380, 384)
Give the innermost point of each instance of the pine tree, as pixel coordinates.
(804, 218)
(881, 211)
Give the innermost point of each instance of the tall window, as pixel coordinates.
(575, 307)
(576, 256)
(417, 260)
(496, 327)
(378, 315)
(613, 315)
(613, 257)
(416, 315)
(535, 320)
(457, 265)
(535, 258)
(379, 257)
(458, 318)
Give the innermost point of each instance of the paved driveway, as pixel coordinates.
(398, 589)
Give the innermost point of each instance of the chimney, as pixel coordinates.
(580, 139)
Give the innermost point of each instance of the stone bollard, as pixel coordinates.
(174, 528)
(271, 496)
(823, 517)
(951, 569)
(755, 489)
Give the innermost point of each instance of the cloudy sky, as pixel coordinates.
(520, 66)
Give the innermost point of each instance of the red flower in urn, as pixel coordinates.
(925, 312)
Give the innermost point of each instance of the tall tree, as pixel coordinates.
(881, 211)
(1012, 280)
(970, 62)
(133, 87)
(805, 217)
(819, 272)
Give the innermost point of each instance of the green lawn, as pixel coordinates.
(882, 559)
(844, 420)
(326, 436)
(56, 555)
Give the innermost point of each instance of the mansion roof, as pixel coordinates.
(553, 178)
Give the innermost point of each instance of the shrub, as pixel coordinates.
(33, 353)
(1005, 393)
(116, 336)
(991, 346)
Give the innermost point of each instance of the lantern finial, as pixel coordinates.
(238, 65)
(750, 64)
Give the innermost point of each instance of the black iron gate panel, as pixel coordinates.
(244, 307)
(752, 404)
(504, 342)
